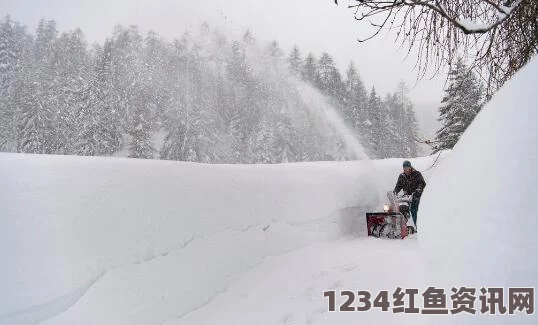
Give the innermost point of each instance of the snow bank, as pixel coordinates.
(125, 241)
(479, 224)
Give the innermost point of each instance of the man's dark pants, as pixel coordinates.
(414, 211)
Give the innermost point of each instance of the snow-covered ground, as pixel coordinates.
(124, 241)
(121, 241)
(288, 289)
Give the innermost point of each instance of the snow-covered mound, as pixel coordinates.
(124, 241)
(478, 215)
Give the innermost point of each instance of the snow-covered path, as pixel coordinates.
(288, 289)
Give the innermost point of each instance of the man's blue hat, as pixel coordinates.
(406, 163)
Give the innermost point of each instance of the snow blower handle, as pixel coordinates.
(406, 198)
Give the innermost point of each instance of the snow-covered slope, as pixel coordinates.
(480, 225)
(125, 241)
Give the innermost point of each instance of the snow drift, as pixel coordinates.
(478, 225)
(126, 241)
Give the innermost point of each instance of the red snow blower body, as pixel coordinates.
(392, 222)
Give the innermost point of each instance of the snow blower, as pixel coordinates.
(392, 222)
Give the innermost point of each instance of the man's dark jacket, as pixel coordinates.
(412, 184)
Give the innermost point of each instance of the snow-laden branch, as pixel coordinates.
(499, 35)
(467, 25)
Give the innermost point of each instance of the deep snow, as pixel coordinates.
(125, 241)
(481, 228)
(288, 289)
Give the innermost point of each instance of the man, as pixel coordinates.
(412, 183)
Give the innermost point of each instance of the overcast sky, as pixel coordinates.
(314, 25)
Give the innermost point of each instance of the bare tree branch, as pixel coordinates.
(498, 36)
